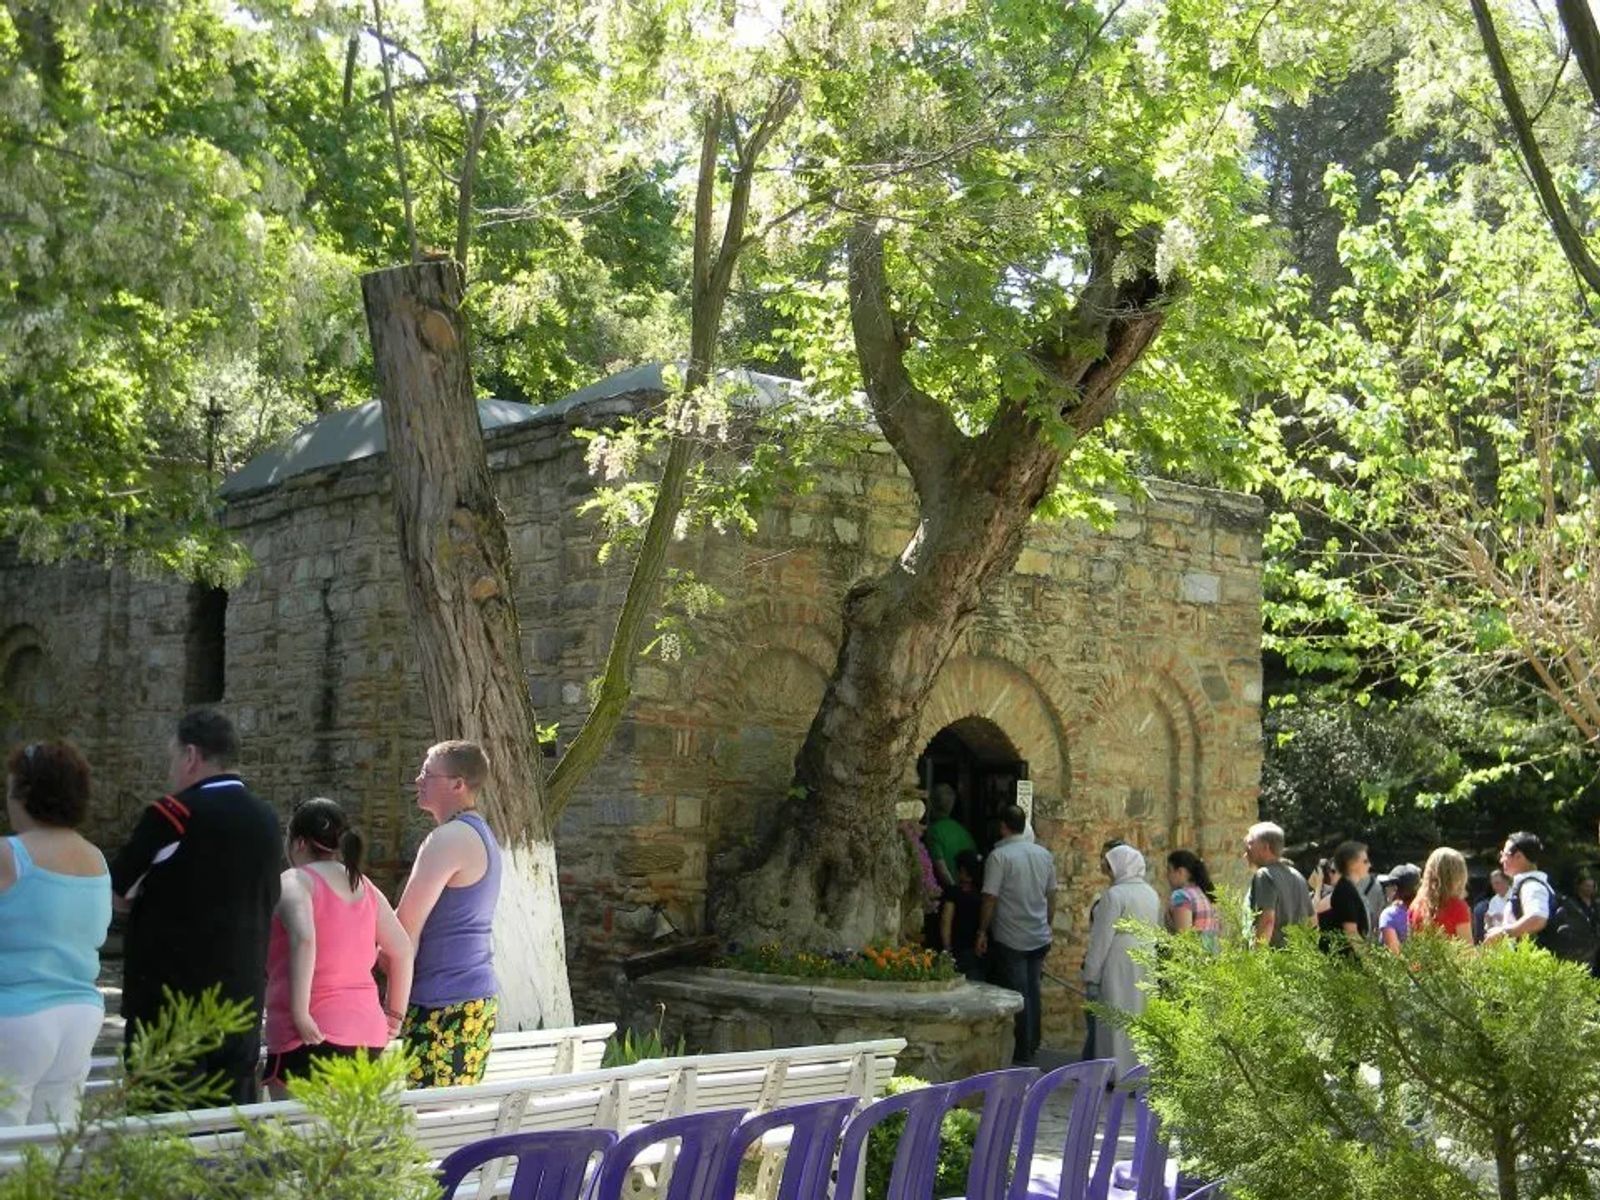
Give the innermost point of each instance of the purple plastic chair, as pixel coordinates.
(1083, 1119)
(1004, 1093)
(808, 1163)
(703, 1140)
(917, 1155)
(1129, 1090)
(550, 1165)
(1145, 1176)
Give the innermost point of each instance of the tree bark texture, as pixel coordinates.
(458, 572)
(834, 871)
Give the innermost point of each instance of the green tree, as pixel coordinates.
(164, 311)
(1443, 438)
(1450, 1072)
(1011, 205)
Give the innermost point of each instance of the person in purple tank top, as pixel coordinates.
(447, 908)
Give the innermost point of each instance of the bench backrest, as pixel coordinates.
(522, 1055)
(618, 1098)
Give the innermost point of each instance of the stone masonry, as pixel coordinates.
(1123, 666)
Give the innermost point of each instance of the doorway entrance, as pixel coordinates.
(974, 756)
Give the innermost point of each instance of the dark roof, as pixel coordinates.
(341, 437)
(356, 433)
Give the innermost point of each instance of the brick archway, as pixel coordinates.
(974, 685)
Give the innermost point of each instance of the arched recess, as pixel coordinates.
(761, 698)
(974, 685)
(1138, 769)
(27, 692)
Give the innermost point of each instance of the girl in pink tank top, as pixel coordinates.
(331, 927)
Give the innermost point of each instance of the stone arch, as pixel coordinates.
(760, 684)
(973, 685)
(1139, 769)
(27, 697)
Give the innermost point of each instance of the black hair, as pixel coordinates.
(1195, 865)
(324, 826)
(211, 733)
(969, 862)
(1527, 844)
(1347, 853)
(51, 782)
(1405, 887)
(1013, 818)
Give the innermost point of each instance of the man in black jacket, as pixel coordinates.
(1578, 927)
(199, 879)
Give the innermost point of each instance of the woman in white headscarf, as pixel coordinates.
(1109, 972)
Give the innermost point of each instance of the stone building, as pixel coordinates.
(1118, 672)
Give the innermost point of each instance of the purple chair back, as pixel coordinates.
(550, 1165)
(702, 1139)
(1004, 1093)
(808, 1165)
(1083, 1118)
(1129, 1090)
(1149, 1166)
(917, 1155)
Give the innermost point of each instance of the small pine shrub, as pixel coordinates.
(361, 1149)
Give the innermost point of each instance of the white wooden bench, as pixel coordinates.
(620, 1098)
(526, 1055)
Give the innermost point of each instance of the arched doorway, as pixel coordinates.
(976, 758)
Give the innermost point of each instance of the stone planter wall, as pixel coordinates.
(952, 1029)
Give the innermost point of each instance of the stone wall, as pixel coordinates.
(1123, 666)
(951, 1030)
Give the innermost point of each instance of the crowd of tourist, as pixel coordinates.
(996, 914)
(209, 906)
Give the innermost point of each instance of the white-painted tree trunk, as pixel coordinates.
(460, 593)
(530, 946)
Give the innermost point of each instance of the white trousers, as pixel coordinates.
(44, 1059)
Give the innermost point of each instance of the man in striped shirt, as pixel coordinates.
(199, 880)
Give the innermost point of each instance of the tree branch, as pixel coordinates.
(1577, 18)
(394, 132)
(1561, 223)
(919, 428)
(469, 173)
(712, 279)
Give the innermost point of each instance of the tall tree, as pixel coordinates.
(164, 311)
(1035, 194)
(452, 537)
(1445, 441)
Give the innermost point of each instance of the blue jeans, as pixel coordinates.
(1021, 971)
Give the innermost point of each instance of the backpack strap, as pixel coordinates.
(1516, 896)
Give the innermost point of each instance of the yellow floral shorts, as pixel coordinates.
(449, 1045)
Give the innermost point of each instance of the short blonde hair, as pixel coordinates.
(464, 759)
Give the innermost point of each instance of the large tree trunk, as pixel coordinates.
(834, 872)
(458, 572)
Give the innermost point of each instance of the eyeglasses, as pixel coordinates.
(434, 775)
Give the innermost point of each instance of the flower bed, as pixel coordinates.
(893, 964)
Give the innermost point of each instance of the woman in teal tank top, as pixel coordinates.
(55, 905)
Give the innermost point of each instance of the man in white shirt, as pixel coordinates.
(1531, 899)
(1490, 912)
(1014, 922)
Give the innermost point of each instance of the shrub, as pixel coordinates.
(1448, 1073)
(361, 1148)
(626, 1050)
(906, 964)
(956, 1136)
